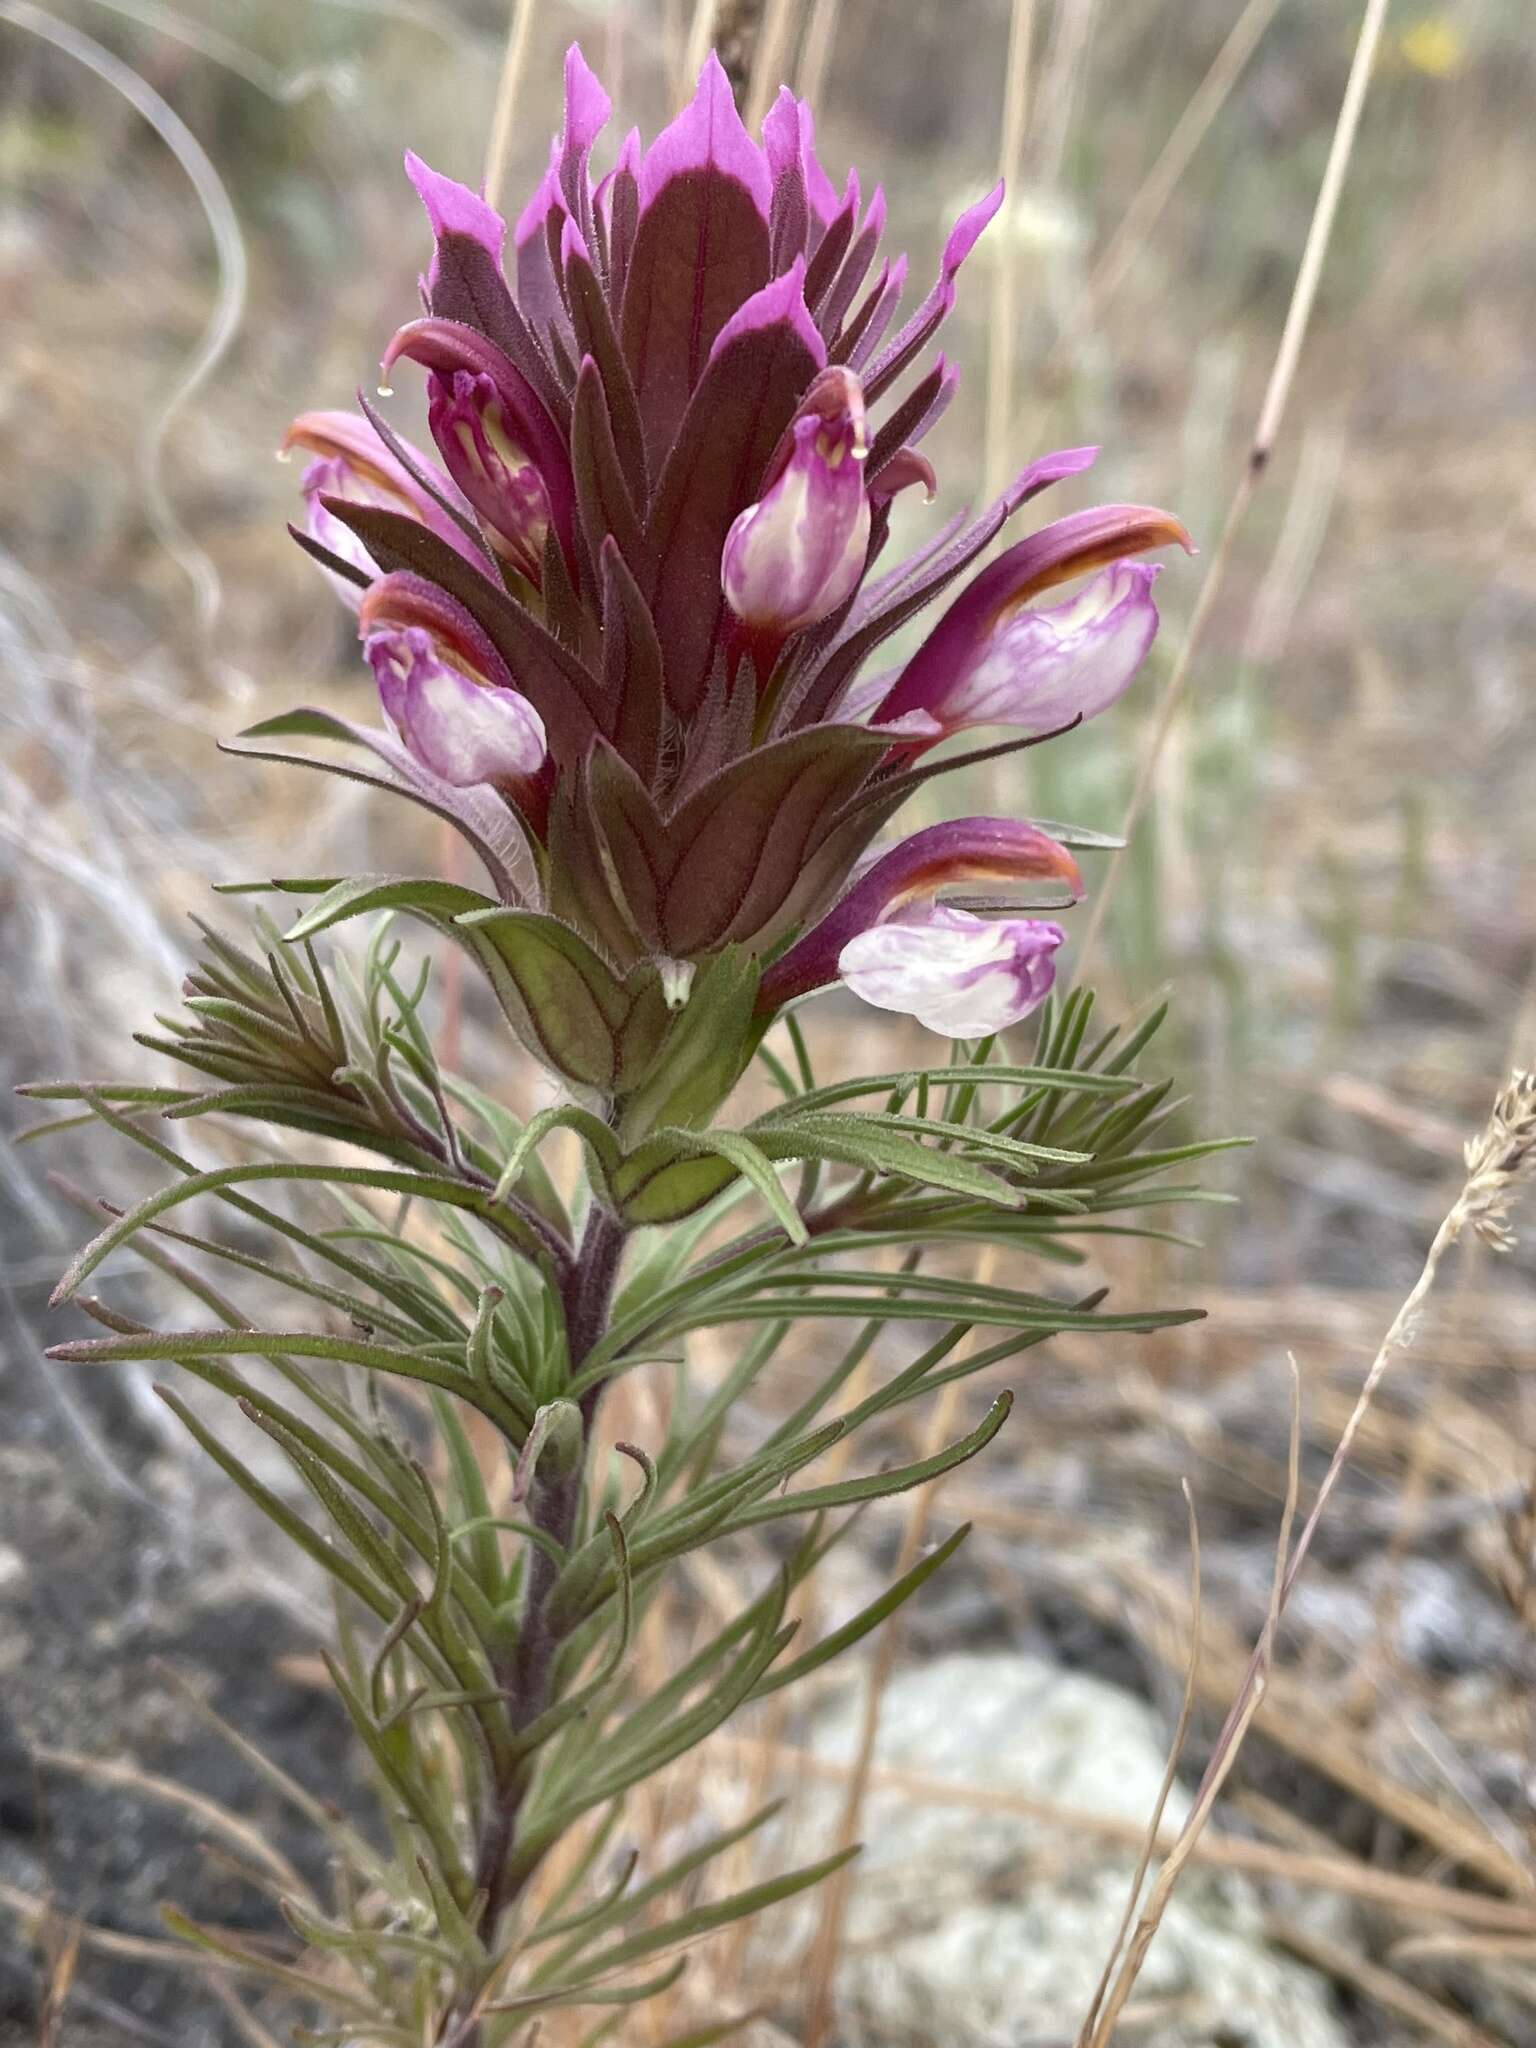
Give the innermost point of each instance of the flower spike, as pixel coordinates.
(634, 590)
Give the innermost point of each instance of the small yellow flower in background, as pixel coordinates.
(1435, 46)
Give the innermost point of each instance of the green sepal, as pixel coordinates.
(707, 1046)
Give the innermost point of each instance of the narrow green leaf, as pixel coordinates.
(867, 1618)
(441, 902)
(878, 1485)
(705, 1919)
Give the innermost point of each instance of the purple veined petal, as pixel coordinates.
(445, 347)
(959, 975)
(1046, 667)
(490, 468)
(914, 871)
(464, 731)
(781, 302)
(1068, 548)
(453, 209)
(708, 134)
(938, 305)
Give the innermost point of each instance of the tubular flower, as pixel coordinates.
(446, 690)
(989, 661)
(352, 463)
(799, 552)
(672, 407)
(898, 947)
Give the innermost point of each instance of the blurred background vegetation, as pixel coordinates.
(204, 228)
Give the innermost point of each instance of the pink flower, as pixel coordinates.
(990, 661)
(898, 947)
(445, 689)
(799, 552)
(960, 975)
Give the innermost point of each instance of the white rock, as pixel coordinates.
(980, 1927)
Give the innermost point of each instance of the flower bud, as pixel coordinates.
(798, 553)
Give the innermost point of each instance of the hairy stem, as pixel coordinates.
(554, 1506)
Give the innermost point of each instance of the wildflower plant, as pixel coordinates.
(625, 625)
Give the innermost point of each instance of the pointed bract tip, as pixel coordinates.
(969, 228)
(780, 302)
(453, 209)
(587, 106)
(708, 135)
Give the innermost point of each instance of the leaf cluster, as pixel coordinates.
(425, 1389)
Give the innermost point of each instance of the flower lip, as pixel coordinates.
(464, 731)
(959, 975)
